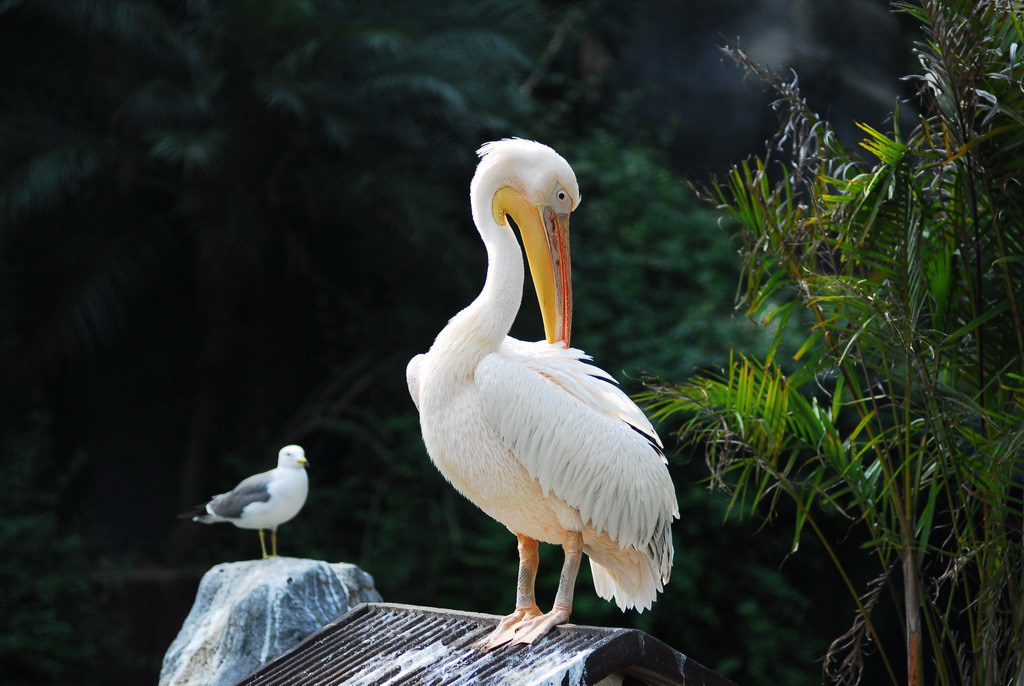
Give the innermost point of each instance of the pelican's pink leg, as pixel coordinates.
(526, 603)
(532, 629)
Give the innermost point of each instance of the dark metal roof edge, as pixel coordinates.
(654, 660)
(366, 608)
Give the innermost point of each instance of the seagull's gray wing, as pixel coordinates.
(255, 489)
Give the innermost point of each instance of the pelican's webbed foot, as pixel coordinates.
(532, 629)
(507, 628)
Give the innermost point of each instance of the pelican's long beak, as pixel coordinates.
(545, 234)
(556, 307)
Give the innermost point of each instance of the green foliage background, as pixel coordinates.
(44, 598)
(226, 226)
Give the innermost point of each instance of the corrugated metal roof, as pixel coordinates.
(385, 644)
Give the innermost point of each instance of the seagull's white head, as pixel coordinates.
(536, 187)
(292, 456)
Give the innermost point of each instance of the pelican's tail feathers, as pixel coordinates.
(629, 578)
(630, 586)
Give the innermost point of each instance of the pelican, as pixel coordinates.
(532, 433)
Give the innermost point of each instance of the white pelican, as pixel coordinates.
(262, 501)
(536, 437)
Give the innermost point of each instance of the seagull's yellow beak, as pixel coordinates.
(303, 461)
(545, 234)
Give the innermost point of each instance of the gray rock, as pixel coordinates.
(247, 613)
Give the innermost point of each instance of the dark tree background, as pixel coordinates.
(227, 225)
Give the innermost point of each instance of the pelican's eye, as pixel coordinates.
(560, 200)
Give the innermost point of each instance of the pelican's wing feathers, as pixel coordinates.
(580, 436)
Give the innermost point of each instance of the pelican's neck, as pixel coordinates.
(479, 329)
(502, 294)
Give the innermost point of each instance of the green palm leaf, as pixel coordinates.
(910, 263)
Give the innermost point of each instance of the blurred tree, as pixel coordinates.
(209, 209)
(233, 135)
(654, 270)
(43, 607)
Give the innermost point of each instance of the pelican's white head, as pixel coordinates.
(536, 187)
(292, 456)
(530, 167)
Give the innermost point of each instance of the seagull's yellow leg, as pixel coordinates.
(526, 603)
(263, 545)
(273, 542)
(530, 630)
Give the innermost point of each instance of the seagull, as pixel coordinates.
(263, 501)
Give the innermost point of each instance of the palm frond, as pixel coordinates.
(909, 260)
